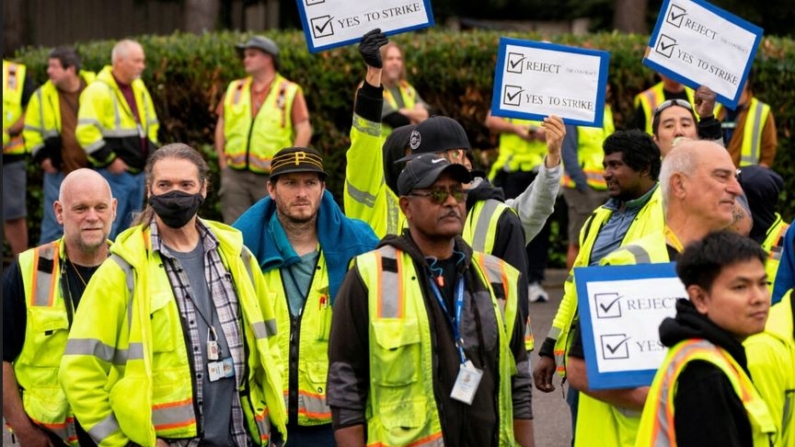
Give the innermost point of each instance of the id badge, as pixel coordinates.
(212, 350)
(221, 370)
(466, 384)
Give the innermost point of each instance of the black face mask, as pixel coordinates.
(176, 208)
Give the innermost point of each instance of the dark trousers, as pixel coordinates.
(315, 436)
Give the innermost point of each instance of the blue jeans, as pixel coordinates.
(50, 228)
(128, 190)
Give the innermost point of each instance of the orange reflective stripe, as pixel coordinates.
(428, 441)
(170, 415)
(263, 425)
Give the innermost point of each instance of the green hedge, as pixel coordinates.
(187, 75)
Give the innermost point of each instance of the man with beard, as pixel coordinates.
(185, 351)
(632, 166)
(41, 292)
(303, 244)
(117, 127)
(402, 104)
(422, 351)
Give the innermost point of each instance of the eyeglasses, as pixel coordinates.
(439, 196)
(673, 102)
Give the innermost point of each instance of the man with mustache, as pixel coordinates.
(699, 188)
(426, 332)
(41, 292)
(117, 127)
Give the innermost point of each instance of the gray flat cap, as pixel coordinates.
(261, 43)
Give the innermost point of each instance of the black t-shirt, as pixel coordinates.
(15, 310)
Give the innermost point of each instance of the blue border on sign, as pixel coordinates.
(315, 49)
(604, 66)
(585, 275)
(742, 23)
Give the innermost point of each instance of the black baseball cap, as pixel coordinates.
(297, 159)
(436, 134)
(425, 169)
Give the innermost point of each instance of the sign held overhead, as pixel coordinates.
(533, 80)
(696, 43)
(336, 23)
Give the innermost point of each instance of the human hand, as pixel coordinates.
(554, 131)
(543, 373)
(47, 166)
(370, 47)
(704, 100)
(117, 167)
(33, 437)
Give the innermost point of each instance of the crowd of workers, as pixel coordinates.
(184, 331)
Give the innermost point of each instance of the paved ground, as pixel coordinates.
(552, 420)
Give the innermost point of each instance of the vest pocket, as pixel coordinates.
(46, 405)
(163, 317)
(317, 373)
(396, 351)
(403, 422)
(50, 329)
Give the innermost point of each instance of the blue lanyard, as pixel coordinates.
(455, 324)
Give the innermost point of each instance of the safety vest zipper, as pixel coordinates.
(196, 409)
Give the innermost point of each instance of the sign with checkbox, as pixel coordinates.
(335, 23)
(697, 43)
(536, 79)
(621, 308)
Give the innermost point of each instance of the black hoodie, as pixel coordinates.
(708, 412)
(462, 425)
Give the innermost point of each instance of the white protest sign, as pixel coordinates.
(336, 23)
(697, 43)
(621, 308)
(533, 80)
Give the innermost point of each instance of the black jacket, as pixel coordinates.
(708, 411)
(462, 425)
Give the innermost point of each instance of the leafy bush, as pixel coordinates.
(187, 75)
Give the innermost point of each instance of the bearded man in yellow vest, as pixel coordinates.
(258, 116)
(749, 131)
(424, 351)
(18, 88)
(402, 104)
(702, 394)
(303, 244)
(41, 293)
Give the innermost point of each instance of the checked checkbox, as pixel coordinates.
(314, 2)
(322, 26)
(665, 46)
(515, 63)
(675, 16)
(615, 346)
(608, 305)
(512, 95)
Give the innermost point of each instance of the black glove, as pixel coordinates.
(370, 47)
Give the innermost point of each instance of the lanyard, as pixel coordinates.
(455, 322)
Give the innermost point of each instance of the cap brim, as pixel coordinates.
(322, 174)
(459, 173)
(417, 154)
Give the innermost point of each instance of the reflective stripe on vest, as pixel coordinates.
(774, 246)
(755, 120)
(409, 97)
(484, 214)
(652, 98)
(390, 306)
(173, 415)
(44, 288)
(657, 425)
(13, 85)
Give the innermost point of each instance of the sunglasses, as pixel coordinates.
(673, 102)
(440, 195)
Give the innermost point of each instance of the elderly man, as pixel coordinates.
(425, 331)
(50, 126)
(303, 244)
(117, 127)
(260, 115)
(186, 349)
(41, 293)
(699, 190)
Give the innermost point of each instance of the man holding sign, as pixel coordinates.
(699, 187)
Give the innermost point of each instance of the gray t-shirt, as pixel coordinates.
(297, 279)
(217, 396)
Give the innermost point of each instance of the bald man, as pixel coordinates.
(41, 292)
(699, 188)
(117, 127)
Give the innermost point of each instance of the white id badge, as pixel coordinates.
(466, 384)
(212, 350)
(221, 370)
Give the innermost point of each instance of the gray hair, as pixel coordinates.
(122, 49)
(682, 159)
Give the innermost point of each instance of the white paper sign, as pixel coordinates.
(534, 80)
(697, 44)
(335, 23)
(621, 308)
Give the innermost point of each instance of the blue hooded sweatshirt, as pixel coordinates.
(340, 237)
